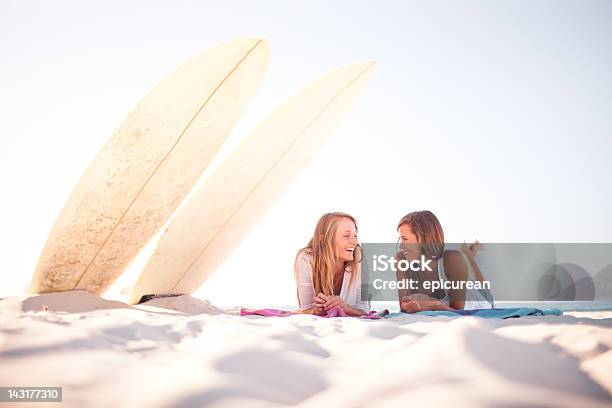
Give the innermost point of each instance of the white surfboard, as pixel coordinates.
(147, 167)
(246, 184)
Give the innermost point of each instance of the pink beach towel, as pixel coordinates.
(334, 312)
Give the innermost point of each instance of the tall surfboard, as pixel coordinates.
(147, 167)
(246, 184)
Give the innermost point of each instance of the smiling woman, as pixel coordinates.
(454, 280)
(327, 270)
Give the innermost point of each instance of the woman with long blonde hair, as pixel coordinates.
(328, 271)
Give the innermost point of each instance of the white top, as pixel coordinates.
(305, 290)
(474, 299)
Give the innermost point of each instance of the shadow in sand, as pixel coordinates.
(268, 370)
(120, 336)
(544, 364)
(565, 319)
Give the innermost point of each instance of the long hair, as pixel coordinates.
(321, 248)
(428, 231)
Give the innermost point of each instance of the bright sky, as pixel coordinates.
(496, 116)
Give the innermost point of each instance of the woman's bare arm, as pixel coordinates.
(312, 311)
(329, 302)
(456, 270)
(420, 302)
(401, 275)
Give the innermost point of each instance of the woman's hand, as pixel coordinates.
(418, 302)
(329, 302)
(319, 304)
(409, 306)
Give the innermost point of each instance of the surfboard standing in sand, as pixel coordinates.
(147, 167)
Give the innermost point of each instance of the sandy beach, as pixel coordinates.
(186, 352)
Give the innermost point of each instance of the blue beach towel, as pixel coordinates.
(487, 313)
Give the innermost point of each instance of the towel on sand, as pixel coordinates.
(487, 313)
(334, 312)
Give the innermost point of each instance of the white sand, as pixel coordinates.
(107, 354)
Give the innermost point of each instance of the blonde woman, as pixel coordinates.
(328, 271)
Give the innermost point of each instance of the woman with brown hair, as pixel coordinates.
(328, 271)
(421, 234)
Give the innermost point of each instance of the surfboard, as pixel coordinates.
(239, 192)
(148, 166)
